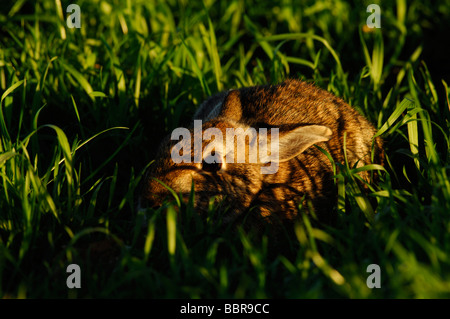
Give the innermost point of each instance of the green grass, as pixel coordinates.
(83, 111)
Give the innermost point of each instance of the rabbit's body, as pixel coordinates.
(305, 115)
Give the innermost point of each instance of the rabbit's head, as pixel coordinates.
(225, 159)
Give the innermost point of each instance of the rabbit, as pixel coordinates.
(304, 116)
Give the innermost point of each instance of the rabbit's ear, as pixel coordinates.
(298, 140)
(231, 107)
(293, 142)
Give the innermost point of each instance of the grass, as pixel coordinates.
(83, 111)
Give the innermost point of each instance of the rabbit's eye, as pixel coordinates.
(212, 164)
(211, 167)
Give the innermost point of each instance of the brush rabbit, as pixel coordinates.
(303, 115)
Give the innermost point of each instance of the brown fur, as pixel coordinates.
(306, 177)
